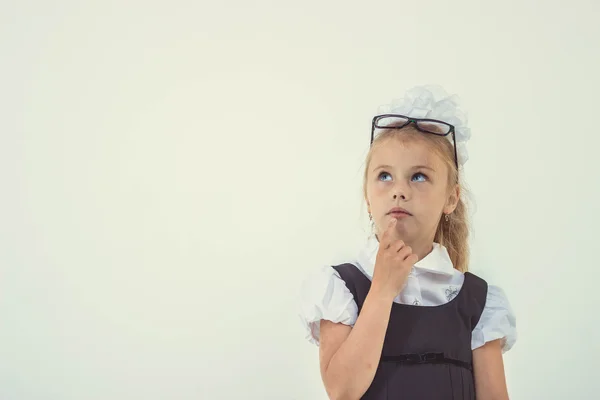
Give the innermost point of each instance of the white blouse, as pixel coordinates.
(432, 281)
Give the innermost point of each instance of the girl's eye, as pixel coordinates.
(384, 176)
(419, 177)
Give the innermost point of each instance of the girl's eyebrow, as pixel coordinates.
(423, 167)
(384, 166)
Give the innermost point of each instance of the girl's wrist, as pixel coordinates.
(380, 293)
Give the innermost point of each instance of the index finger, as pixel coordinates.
(388, 234)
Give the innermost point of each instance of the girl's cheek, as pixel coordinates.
(381, 189)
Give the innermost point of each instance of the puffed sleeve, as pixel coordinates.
(497, 321)
(324, 295)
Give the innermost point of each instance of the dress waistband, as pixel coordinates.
(426, 358)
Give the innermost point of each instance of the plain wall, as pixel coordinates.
(170, 171)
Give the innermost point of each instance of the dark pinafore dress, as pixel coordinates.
(427, 350)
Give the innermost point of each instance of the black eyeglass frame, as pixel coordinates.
(415, 121)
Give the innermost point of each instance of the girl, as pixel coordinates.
(405, 320)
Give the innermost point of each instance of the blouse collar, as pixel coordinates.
(437, 261)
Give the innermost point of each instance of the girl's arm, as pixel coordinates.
(488, 366)
(349, 356)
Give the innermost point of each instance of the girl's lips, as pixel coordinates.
(398, 212)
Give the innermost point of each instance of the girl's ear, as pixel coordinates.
(452, 201)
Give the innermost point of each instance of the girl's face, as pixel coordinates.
(407, 180)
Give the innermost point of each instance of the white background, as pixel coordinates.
(170, 171)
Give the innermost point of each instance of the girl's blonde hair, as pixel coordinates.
(454, 233)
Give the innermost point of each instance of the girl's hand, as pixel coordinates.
(393, 263)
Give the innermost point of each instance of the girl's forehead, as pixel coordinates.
(392, 152)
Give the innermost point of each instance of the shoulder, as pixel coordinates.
(324, 295)
(498, 320)
(476, 296)
(477, 282)
(330, 280)
(322, 278)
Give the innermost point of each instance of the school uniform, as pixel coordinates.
(437, 320)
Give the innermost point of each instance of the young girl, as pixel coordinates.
(405, 320)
